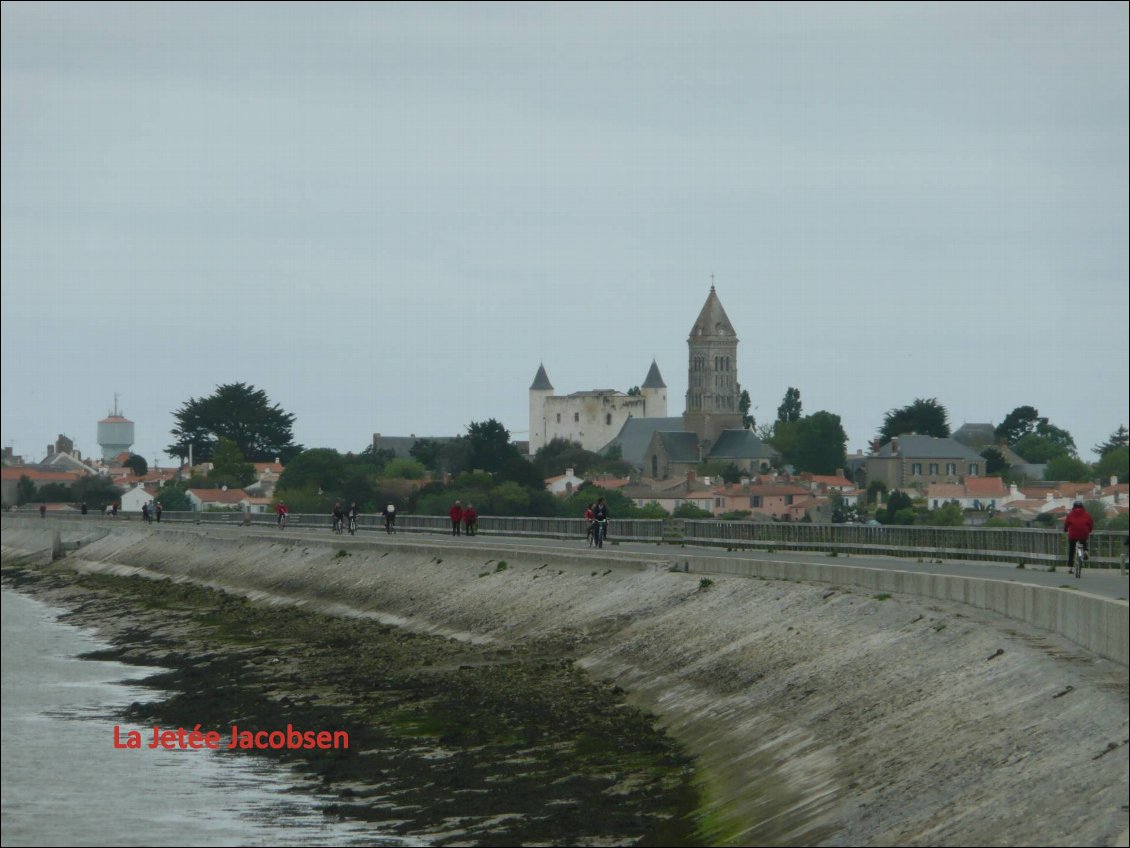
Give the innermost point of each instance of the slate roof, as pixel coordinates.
(740, 444)
(653, 380)
(401, 446)
(978, 436)
(680, 447)
(635, 436)
(541, 381)
(912, 446)
(712, 320)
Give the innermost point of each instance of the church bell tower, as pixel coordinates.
(713, 390)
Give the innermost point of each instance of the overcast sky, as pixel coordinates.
(386, 216)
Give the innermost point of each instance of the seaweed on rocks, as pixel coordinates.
(450, 742)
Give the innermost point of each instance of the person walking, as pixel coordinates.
(456, 514)
(470, 520)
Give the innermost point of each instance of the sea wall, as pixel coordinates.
(817, 713)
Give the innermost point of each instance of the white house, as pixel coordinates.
(564, 484)
(135, 498)
(206, 499)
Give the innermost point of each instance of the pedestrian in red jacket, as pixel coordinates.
(1078, 525)
(470, 520)
(456, 518)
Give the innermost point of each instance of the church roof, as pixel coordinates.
(635, 436)
(712, 320)
(541, 381)
(654, 380)
(740, 444)
(680, 447)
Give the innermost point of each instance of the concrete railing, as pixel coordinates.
(1002, 544)
(627, 530)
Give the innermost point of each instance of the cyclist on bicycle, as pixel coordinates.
(600, 517)
(353, 514)
(590, 517)
(339, 517)
(389, 513)
(281, 512)
(1078, 525)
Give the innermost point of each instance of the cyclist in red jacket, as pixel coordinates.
(1078, 525)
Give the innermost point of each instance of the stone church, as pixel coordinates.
(710, 429)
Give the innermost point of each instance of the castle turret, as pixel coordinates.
(540, 389)
(654, 392)
(712, 374)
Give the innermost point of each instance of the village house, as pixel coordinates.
(216, 499)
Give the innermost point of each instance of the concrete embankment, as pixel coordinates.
(816, 713)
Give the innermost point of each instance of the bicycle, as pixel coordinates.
(339, 525)
(352, 525)
(590, 533)
(282, 521)
(599, 532)
(1080, 555)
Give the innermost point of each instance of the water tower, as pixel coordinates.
(115, 434)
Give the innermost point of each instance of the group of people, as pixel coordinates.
(465, 517)
(597, 517)
(342, 515)
(151, 510)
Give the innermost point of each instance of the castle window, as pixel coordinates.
(558, 417)
(576, 416)
(608, 418)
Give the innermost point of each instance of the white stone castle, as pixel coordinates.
(709, 429)
(592, 418)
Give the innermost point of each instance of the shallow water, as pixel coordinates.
(65, 784)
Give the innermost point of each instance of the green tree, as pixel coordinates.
(947, 515)
(137, 465)
(925, 416)
(814, 443)
(1017, 424)
(25, 490)
(405, 469)
(1067, 468)
(317, 468)
(875, 490)
(689, 510)
(897, 503)
(229, 468)
(995, 463)
(558, 454)
(790, 408)
(239, 412)
(96, 491)
(1114, 463)
(54, 493)
(1119, 439)
(1038, 449)
(1097, 509)
(174, 497)
(635, 391)
(744, 406)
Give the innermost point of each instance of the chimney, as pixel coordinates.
(690, 479)
(50, 451)
(568, 472)
(895, 445)
(839, 472)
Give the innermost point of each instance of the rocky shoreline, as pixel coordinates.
(449, 742)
